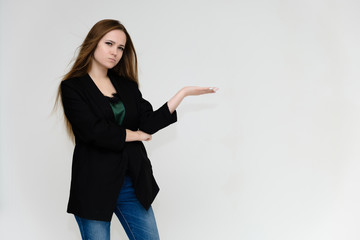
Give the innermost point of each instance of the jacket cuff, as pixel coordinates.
(171, 117)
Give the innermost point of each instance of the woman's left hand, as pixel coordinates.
(174, 102)
(194, 90)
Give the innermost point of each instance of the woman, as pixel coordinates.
(109, 119)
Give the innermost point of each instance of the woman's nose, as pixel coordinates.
(114, 52)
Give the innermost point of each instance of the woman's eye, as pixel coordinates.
(108, 43)
(121, 48)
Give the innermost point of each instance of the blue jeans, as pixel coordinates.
(138, 223)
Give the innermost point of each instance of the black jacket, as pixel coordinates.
(101, 156)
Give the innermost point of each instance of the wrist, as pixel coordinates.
(138, 136)
(183, 92)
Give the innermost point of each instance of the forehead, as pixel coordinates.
(116, 36)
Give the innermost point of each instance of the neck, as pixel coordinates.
(97, 72)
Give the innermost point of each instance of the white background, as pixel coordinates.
(273, 155)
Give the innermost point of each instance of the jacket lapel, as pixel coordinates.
(98, 99)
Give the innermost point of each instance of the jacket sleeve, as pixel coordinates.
(88, 127)
(152, 121)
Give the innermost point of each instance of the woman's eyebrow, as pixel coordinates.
(115, 42)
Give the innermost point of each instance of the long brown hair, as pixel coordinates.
(126, 67)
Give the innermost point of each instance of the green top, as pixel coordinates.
(118, 108)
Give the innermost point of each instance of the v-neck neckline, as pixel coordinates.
(98, 89)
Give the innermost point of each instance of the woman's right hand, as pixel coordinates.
(143, 136)
(138, 135)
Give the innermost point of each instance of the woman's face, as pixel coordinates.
(110, 49)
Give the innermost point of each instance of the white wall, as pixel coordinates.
(273, 155)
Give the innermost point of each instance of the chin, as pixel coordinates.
(110, 66)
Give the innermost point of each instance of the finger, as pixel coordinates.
(213, 89)
(207, 90)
